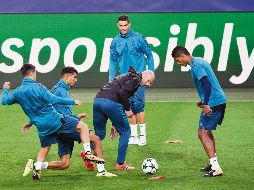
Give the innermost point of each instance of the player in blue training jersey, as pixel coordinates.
(68, 80)
(37, 103)
(111, 102)
(65, 146)
(127, 49)
(212, 101)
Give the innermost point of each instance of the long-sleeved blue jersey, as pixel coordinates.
(61, 90)
(37, 103)
(129, 50)
(199, 69)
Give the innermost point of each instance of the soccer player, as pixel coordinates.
(212, 101)
(111, 102)
(127, 49)
(65, 146)
(37, 103)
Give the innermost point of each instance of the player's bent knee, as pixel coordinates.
(65, 165)
(201, 134)
(96, 141)
(101, 133)
(83, 125)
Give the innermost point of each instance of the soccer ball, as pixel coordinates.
(150, 166)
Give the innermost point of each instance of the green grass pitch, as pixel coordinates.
(165, 121)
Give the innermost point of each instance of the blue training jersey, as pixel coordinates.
(61, 90)
(37, 103)
(129, 50)
(199, 69)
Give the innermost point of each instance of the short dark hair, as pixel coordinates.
(27, 69)
(67, 70)
(123, 18)
(178, 50)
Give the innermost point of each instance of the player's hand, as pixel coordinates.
(207, 110)
(78, 102)
(200, 104)
(129, 114)
(7, 85)
(82, 116)
(113, 133)
(25, 128)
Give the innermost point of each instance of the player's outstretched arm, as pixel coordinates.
(53, 99)
(6, 98)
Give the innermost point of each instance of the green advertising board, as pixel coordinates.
(52, 41)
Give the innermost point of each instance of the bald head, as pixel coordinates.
(147, 78)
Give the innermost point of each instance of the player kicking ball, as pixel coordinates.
(65, 145)
(37, 103)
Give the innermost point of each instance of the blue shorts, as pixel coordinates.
(137, 101)
(210, 122)
(48, 140)
(66, 135)
(68, 128)
(65, 145)
(104, 109)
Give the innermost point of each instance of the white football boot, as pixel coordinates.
(105, 174)
(29, 167)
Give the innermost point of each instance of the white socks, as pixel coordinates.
(142, 129)
(134, 130)
(100, 167)
(38, 165)
(44, 165)
(87, 147)
(214, 163)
